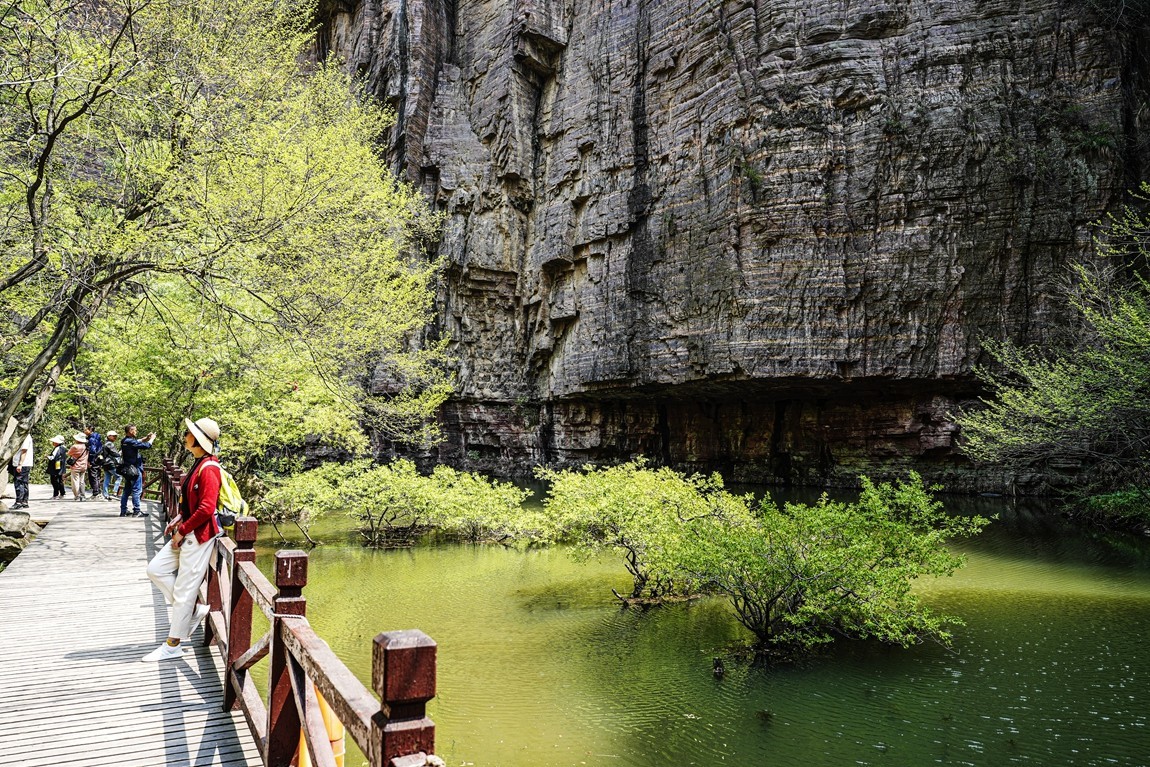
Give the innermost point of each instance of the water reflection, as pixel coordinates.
(538, 666)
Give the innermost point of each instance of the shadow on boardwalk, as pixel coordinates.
(78, 614)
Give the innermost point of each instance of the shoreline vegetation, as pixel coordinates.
(1083, 399)
(797, 575)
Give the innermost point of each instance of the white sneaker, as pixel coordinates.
(164, 652)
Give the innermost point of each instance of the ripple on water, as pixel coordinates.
(538, 666)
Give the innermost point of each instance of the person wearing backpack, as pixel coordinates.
(56, 466)
(111, 458)
(77, 462)
(181, 565)
(95, 464)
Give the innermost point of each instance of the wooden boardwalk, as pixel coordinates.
(77, 613)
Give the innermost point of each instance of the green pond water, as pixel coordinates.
(539, 667)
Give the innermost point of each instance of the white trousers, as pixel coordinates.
(178, 574)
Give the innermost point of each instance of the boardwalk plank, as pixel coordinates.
(76, 614)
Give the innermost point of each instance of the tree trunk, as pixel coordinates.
(55, 358)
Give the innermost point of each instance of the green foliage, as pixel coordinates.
(175, 355)
(304, 497)
(395, 504)
(801, 574)
(144, 144)
(638, 511)
(895, 127)
(796, 575)
(1129, 508)
(471, 507)
(753, 175)
(1086, 403)
(390, 502)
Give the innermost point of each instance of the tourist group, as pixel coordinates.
(91, 457)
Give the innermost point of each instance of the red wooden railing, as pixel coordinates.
(393, 731)
(152, 489)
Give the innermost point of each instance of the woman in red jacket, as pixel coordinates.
(180, 566)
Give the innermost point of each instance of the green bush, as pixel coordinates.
(640, 512)
(474, 508)
(1127, 509)
(302, 498)
(801, 574)
(797, 576)
(395, 504)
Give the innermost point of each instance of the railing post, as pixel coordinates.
(403, 674)
(177, 478)
(165, 484)
(283, 716)
(241, 604)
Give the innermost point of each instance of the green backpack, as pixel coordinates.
(230, 503)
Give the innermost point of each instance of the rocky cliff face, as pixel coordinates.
(765, 236)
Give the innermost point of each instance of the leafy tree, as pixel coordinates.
(301, 498)
(477, 509)
(395, 504)
(1083, 403)
(143, 141)
(799, 575)
(638, 511)
(154, 363)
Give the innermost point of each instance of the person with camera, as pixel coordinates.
(132, 469)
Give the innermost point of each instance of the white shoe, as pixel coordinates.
(164, 652)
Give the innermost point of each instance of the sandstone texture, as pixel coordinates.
(762, 236)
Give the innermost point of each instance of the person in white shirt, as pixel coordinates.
(22, 469)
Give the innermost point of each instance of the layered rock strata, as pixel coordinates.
(764, 236)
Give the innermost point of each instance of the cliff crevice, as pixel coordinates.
(769, 235)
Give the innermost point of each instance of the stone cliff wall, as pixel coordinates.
(760, 235)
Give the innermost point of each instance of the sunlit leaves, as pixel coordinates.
(201, 145)
(475, 508)
(172, 355)
(801, 574)
(1087, 402)
(796, 575)
(394, 504)
(638, 511)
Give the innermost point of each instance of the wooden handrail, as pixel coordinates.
(263, 594)
(353, 704)
(392, 730)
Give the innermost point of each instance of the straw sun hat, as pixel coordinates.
(59, 439)
(79, 437)
(206, 431)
